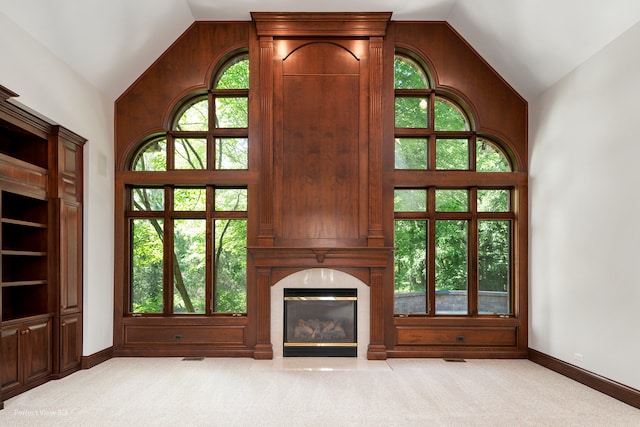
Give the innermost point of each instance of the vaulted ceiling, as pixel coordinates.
(531, 43)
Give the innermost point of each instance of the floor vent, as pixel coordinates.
(454, 359)
(193, 359)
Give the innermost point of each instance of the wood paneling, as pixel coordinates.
(320, 145)
(459, 70)
(205, 335)
(321, 169)
(182, 69)
(443, 336)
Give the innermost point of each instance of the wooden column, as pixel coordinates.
(264, 348)
(377, 349)
(375, 237)
(265, 233)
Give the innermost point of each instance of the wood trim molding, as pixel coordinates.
(295, 24)
(22, 117)
(68, 135)
(6, 93)
(94, 359)
(618, 391)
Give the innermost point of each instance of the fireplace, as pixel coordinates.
(320, 322)
(361, 268)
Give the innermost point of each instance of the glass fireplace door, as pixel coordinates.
(320, 322)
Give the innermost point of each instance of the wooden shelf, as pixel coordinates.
(23, 253)
(23, 283)
(8, 321)
(23, 148)
(23, 223)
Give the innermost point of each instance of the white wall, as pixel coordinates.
(584, 200)
(48, 86)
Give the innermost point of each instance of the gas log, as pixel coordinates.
(319, 330)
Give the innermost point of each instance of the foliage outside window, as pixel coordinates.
(453, 242)
(187, 239)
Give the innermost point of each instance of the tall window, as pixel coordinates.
(187, 207)
(453, 222)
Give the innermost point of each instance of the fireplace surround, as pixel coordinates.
(320, 278)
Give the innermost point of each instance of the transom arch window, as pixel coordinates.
(187, 232)
(454, 223)
(151, 155)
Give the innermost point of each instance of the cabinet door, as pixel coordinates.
(70, 342)
(36, 348)
(70, 257)
(10, 348)
(70, 169)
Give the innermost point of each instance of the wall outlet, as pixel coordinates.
(578, 356)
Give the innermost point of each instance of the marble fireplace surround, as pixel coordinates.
(362, 268)
(320, 278)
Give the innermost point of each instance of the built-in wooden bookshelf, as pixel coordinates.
(40, 247)
(25, 284)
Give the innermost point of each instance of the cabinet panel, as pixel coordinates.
(36, 347)
(444, 336)
(69, 167)
(68, 159)
(70, 257)
(70, 342)
(221, 335)
(10, 348)
(26, 353)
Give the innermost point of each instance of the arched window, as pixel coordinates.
(152, 156)
(454, 224)
(191, 183)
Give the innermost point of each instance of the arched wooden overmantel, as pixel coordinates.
(296, 51)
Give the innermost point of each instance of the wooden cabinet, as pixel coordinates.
(41, 247)
(70, 228)
(67, 232)
(26, 354)
(70, 342)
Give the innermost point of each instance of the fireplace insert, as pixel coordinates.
(320, 322)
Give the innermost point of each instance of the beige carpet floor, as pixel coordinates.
(315, 392)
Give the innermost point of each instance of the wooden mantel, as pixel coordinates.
(303, 257)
